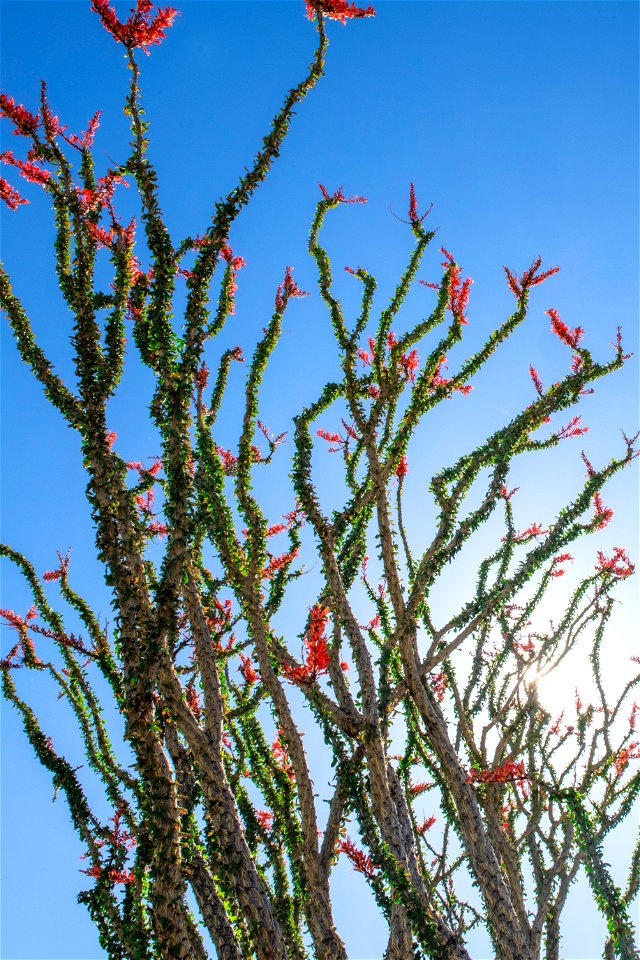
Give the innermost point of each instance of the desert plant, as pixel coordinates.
(215, 824)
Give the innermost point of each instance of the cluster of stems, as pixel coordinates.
(217, 835)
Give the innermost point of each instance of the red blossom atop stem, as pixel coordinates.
(509, 772)
(571, 337)
(361, 861)
(403, 468)
(30, 171)
(458, 290)
(426, 825)
(533, 373)
(530, 278)
(10, 195)
(316, 655)
(413, 207)
(25, 123)
(619, 564)
(603, 514)
(248, 670)
(139, 30)
(281, 756)
(339, 197)
(339, 10)
(264, 818)
(288, 288)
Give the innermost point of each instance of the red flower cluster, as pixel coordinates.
(533, 373)
(247, 669)
(139, 30)
(361, 861)
(437, 380)
(415, 789)
(30, 171)
(264, 818)
(61, 571)
(339, 197)
(413, 207)
(619, 564)
(317, 657)
(623, 756)
(571, 337)
(603, 514)
(235, 264)
(409, 363)
(10, 195)
(288, 288)
(339, 10)
(560, 558)
(403, 468)
(428, 823)
(281, 756)
(115, 876)
(509, 772)
(530, 278)
(334, 438)
(277, 563)
(25, 123)
(458, 293)
(193, 699)
(438, 683)
(572, 429)
(535, 530)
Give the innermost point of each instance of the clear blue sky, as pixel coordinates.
(518, 120)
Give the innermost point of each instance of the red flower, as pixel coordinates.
(25, 123)
(229, 461)
(29, 171)
(533, 373)
(339, 10)
(281, 756)
(603, 514)
(277, 563)
(317, 657)
(438, 683)
(530, 278)
(571, 337)
(361, 861)
(288, 288)
(619, 564)
(535, 530)
(623, 756)
(409, 363)
(509, 772)
(10, 196)
(428, 823)
(339, 197)
(102, 237)
(193, 699)
(403, 468)
(572, 429)
(458, 293)
(415, 789)
(247, 670)
(139, 30)
(85, 142)
(413, 208)
(264, 818)
(334, 438)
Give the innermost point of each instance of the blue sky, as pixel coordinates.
(519, 120)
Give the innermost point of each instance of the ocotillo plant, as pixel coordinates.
(214, 828)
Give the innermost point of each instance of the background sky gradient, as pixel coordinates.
(519, 120)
